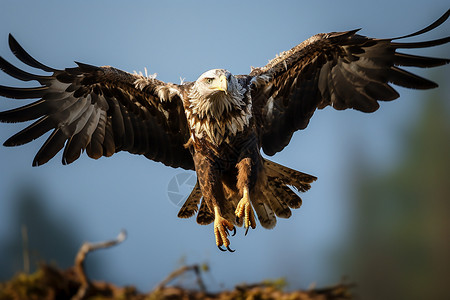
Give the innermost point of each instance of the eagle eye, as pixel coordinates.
(209, 80)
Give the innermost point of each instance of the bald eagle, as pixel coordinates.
(218, 124)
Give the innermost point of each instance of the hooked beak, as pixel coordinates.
(223, 84)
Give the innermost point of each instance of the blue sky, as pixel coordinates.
(181, 39)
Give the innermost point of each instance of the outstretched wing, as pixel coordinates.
(98, 109)
(340, 69)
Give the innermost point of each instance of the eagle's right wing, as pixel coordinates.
(98, 109)
(339, 69)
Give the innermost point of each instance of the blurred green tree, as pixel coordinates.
(401, 238)
(37, 235)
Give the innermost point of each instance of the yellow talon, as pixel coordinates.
(221, 227)
(244, 209)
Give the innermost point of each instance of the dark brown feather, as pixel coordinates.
(274, 195)
(339, 69)
(94, 149)
(22, 93)
(97, 109)
(23, 56)
(191, 204)
(409, 80)
(78, 142)
(204, 216)
(17, 73)
(408, 60)
(25, 113)
(52, 145)
(32, 132)
(264, 211)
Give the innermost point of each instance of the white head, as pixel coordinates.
(214, 93)
(213, 81)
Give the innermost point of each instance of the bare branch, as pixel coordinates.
(179, 272)
(87, 247)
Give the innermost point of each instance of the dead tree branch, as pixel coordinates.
(86, 248)
(179, 272)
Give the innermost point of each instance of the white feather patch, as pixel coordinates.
(269, 108)
(220, 114)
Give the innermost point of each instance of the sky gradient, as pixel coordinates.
(181, 39)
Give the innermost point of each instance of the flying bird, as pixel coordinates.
(218, 124)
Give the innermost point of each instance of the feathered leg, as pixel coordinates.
(245, 181)
(209, 178)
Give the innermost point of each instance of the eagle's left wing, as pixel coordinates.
(340, 69)
(102, 110)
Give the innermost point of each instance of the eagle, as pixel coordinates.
(219, 124)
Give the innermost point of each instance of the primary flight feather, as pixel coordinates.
(218, 124)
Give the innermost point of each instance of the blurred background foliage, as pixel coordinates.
(400, 242)
(37, 236)
(399, 245)
(378, 214)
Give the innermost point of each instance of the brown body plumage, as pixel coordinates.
(218, 124)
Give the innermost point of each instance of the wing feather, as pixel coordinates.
(94, 148)
(17, 73)
(339, 69)
(52, 145)
(109, 146)
(100, 110)
(30, 133)
(78, 142)
(24, 57)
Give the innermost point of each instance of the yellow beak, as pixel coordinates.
(223, 84)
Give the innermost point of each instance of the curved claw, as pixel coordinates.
(244, 210)
(229, 249)
(221, 230)
(234, 233)
(221, 249)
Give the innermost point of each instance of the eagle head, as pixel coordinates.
(215, 93)
(214, 81)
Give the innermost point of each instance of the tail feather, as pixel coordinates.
(190, 207)
(278, 205)
(277, 196)
(204, 216)
(301, 181)
(292, 199)
(264, 212)
(284, 192)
